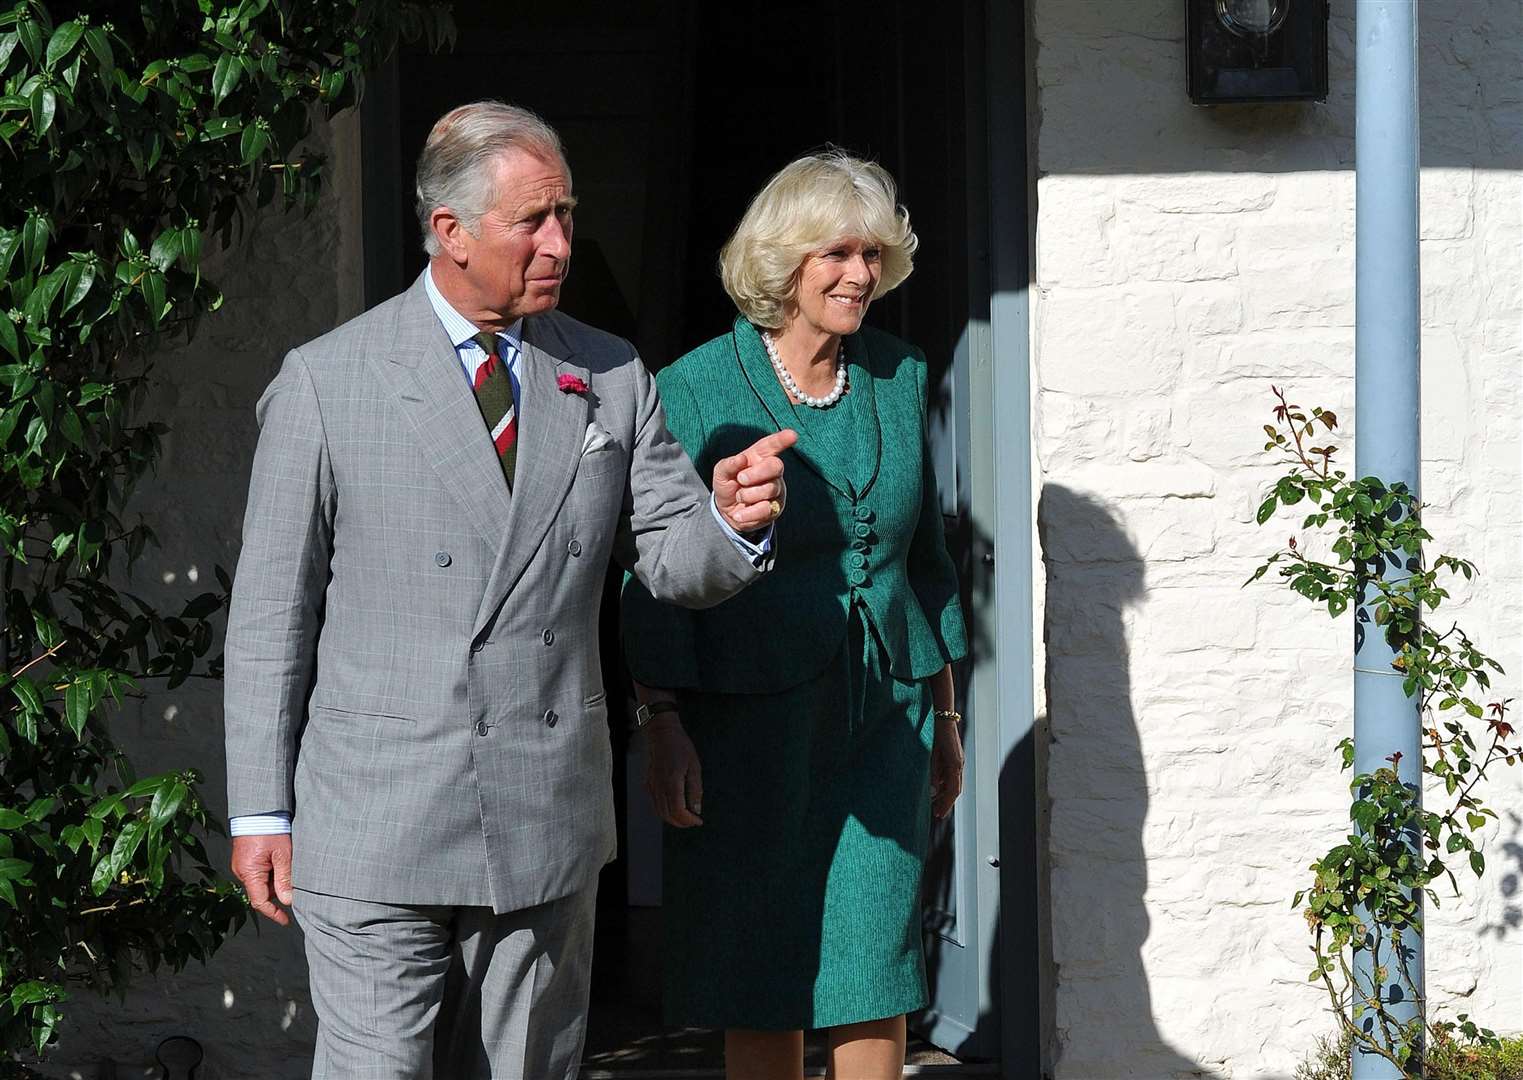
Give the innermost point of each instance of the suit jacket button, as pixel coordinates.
(858, 578)
(551, 719)
(549, 637)
(478, 645)
(863, 529)
(441, 558)
(858, 560)
(575, 548)
(481, 727)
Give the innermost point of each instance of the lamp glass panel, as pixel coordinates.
(1252, 18)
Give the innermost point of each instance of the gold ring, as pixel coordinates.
(776, 507)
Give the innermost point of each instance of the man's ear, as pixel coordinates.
(449, 230)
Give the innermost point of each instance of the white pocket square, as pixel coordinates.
(597, 439)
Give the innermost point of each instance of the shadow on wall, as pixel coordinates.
(1087, 752)
(1511, 915)
(1094, 761)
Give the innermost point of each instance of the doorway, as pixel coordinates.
(673, 115)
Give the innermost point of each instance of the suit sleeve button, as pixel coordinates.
(549, 637)
(481, 727)
(441, 558)
(551, 718)
(574, 547)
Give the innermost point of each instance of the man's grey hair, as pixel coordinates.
(457, 166)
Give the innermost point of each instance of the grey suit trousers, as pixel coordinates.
(448, 993)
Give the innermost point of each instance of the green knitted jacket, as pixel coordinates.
(874, 536)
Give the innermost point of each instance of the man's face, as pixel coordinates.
(519, 257)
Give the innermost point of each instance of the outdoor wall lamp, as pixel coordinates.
(1256, 50)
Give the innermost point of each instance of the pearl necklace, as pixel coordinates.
(792, 387)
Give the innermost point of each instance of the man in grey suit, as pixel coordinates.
(417, 742)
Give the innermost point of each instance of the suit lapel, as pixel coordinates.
(551, 426)
(428, 388)
(756, 366)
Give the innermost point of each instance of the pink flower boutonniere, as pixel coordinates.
(570, 384)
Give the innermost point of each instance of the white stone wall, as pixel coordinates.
(1186, 259)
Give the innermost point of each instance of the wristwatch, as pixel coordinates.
(648, 710)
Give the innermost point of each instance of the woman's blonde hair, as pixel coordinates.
(810, 204)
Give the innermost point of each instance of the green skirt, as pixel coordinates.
(797, 903)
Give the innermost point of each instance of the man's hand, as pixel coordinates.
(263, 864)
(748, 488)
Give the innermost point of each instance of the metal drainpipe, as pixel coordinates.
(1386, 376)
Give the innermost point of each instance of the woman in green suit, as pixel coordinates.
(803, 734)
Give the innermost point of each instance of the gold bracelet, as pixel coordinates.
(949, 714)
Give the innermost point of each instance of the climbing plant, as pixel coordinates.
(1366, 894)
(132, 133)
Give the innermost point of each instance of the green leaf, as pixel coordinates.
(34, 241)
(14, 869)
(69, 424)
(167, 803)
(82, 277)
(31, 39)
(225, 76)
(63, 41)
(1266, 509)
(166, 249)
(103, 876)
(77, 704)
(1478, 863)
(26, 691)
(253, 143)
(8, 339)
(127, 843)
(44, 108)
(29, 993)
(100, 44)
(152, 287)
(10, 819)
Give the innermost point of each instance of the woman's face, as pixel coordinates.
(835, 285)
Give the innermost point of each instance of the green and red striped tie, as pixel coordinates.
(494, 396)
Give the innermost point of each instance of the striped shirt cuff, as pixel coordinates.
(275, 823)
(758, 552)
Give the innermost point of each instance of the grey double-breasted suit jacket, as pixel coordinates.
(412, 657)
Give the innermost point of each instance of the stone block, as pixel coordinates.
(1200, 193)
(1073, 244)
(1076, 427)
(1174, 247)
(1207, 308)
(1446, 210)
(1097, 342)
